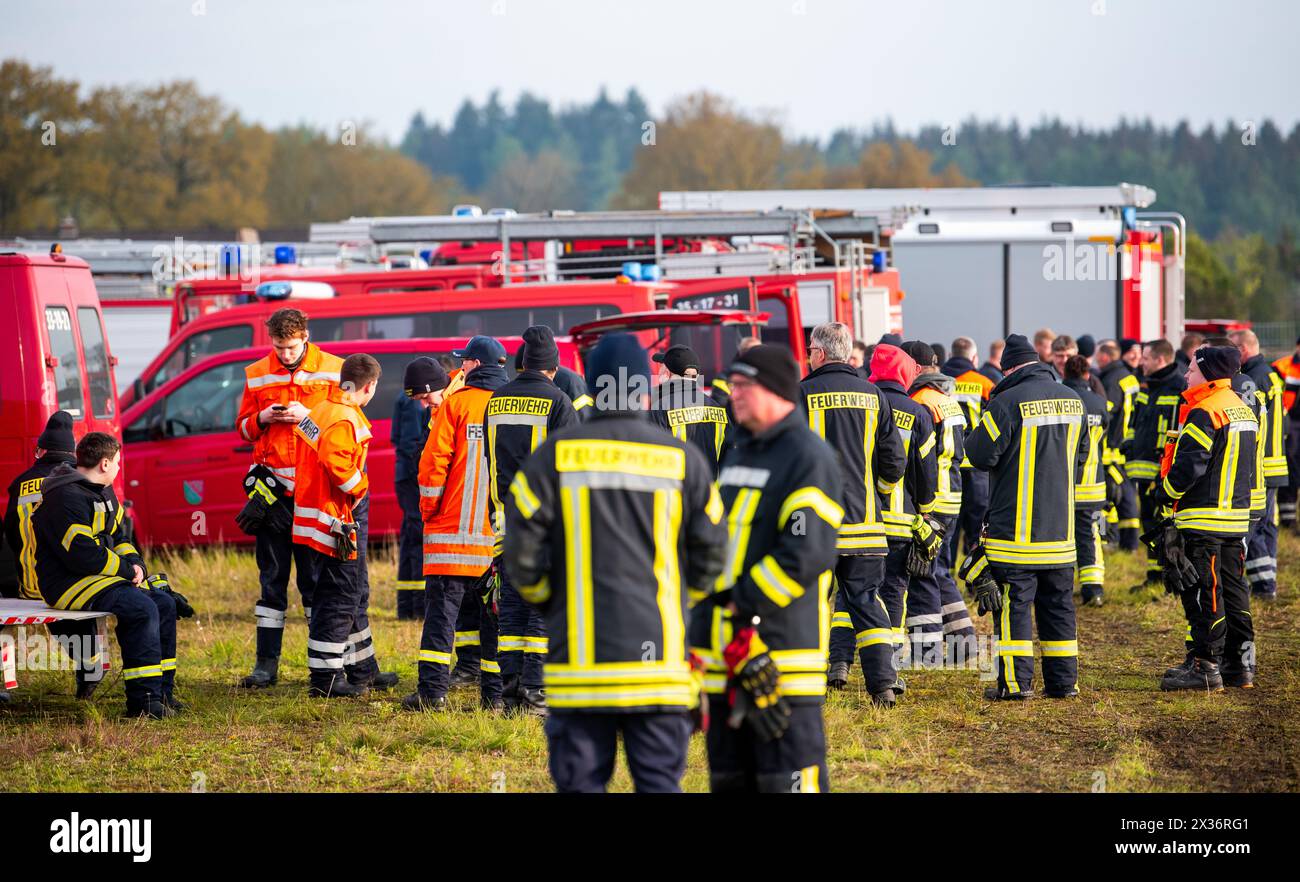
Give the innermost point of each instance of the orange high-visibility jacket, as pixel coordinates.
(454, 488)
(1289, 368)
(971, 390)
(334, 438)
(267, 382)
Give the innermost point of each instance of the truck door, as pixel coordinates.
(185, 462)
(785, 326)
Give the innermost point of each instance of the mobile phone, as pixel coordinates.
(279, 407)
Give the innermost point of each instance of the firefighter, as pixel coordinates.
(1207, 480)
(679, 405)
(912, 534)
(762, 629)
(857, 421)
(1122, 388)
(279, 391)
(458, 537)
(1288, 367)
(331, 505)
(1261, 543)
(611, 527)
(54, 446)
(935, 593)
(1030, 440)
(85, 561)
(1089, 483)
(571, 383)
(423, 382)
(992, 366)
(1156, 415)
(971, 390)
(520, 416)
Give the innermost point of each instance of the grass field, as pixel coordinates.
(1122, 734)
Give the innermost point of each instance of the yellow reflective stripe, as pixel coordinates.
(738, 527)
(111, 563)
(714, 509)
(538, 592)
(74, 531)
(1025, 484)
(1197, 435)
(126, 548)
(1228, 477)
(617, 673)
(989, 426)
(526, 501)
(82, 590)
(668, 573)
(143, 671)
(489, 667)
(874, 637)
(582, 401)
(1059, 647)
(925, 448)
(773, 581)
(435, 657)
(169, 664)
(655, 695)
(1015, 647)
(1169, 489)
(814, 498)
(1142, 469)
(576, 504)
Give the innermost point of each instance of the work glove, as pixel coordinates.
(158, 582)
(490, 590)
(345, 539)
(262, 511)
(975, 572)
(1177, 571)
(1114, 485)
(927, 539)
(754, 688)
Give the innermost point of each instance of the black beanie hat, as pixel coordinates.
(540, 351)
(772, 367)
(921, 353)
(423, 375)
(1087, 345)
(58, 433)
(1018, 351)
(617, 360)
(1218, 362)
(891, 339)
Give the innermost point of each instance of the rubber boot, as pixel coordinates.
(533, 701)
(417, 702)
(884, 699)
(169, 692)
(265, 673)
(336, 687)
(1177, 670)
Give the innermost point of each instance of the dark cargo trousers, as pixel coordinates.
(444, 596)
(861, 621)
(582, 747)
(146, 633)
(1045, 596)
(410, 552)
(276, 555)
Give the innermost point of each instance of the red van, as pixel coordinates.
(56, 357)
(185, 462)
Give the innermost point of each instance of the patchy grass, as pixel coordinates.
(1122, 734)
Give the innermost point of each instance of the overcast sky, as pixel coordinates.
(816, 64)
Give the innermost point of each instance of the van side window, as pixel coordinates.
(208, 403)
(198, 347)
(494, 321)
(92, 341)
(68, 381)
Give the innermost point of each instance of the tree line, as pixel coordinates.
(169, 157)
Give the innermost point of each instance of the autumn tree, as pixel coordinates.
(39, 119)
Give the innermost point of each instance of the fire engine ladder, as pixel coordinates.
(1175, 267)
(797, 231)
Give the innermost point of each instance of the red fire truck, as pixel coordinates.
(57, 358)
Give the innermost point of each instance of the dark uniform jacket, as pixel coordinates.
(572, 384)
(1155, 417)
(1212, 468)
(915, 494)
(520, 416)
(1269, 387)
(680, 406)
(780, 490)
(81, 545)
(1121, 391)
(24, 499)
(856, 420)
(1030, 440)
(409, 433)
(610, 526)
(934, 390)
(1090, 482)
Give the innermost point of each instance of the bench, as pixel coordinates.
(34, 612)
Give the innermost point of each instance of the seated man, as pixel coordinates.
(83, 561)
(54, 447)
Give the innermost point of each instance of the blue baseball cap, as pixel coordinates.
(482, 348)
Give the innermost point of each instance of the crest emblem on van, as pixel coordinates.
(193, 491)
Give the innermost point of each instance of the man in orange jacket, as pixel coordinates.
(458, 537)
(279, 390)
(329, 519)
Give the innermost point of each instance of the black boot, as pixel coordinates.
(150, 709)
(1202, 675)
(417, 702)
(1238, 676)
(463, 676)
(533, 701)
(265, 673)
(1186, 666)
(997, 693)
(86, 686)
(1091, 595)
(336, 687)
(884, 699)
(899, 687)
(838, 677)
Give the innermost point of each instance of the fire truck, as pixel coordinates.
(985, 262)
(57, 358)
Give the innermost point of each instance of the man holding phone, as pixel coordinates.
(279, 391)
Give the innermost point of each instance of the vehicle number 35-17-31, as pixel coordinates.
(57, 320)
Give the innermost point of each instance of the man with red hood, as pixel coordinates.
(907, 507)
